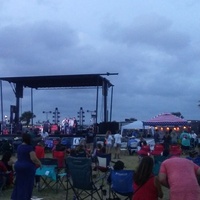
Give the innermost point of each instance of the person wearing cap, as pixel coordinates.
(180, 176)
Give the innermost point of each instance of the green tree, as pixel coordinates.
(26, 117)
(178, 114)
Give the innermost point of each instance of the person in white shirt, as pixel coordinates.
(44, 135)
(193, 139)
(117, 144)
(109, 141)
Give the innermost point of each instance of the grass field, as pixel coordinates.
(131, 162)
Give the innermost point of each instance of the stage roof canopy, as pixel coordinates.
(81, 80)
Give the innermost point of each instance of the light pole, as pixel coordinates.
(93, 116)
(47, 113)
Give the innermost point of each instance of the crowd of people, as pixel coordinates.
(146, 185)
(188, 139)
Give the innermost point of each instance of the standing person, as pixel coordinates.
(109, 141)
(25, 170)
(146, 185)
(156, 137)
(174, 137)
(89, 138)
(180, 176)
(44, 134)
(193, 139)
(185, 142)
(166, 140)
(117, 144)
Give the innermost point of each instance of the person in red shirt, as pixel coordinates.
(146, 186)
(40, 153)
(3, 177)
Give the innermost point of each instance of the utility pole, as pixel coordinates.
(56, 116)
(81, 117)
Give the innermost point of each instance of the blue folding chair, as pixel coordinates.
(121, 185)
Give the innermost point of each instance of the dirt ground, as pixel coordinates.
(131, 162)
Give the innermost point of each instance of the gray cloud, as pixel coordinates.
(157, 62)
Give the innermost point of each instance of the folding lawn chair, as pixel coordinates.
(124, 148)
(81, 180)
(103, 162)
(158, 150)
(50, 174)
(121, 185)
(60, 156)
(132, 146)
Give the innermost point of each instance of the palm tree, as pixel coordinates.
(26, 117)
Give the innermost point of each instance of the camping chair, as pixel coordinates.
(132, 146)
(158, 150)
(121, 185)
(60, 156)
(175, 150)
(81, 180)
(50, 174)
(124, 148)
(103, 165)
(144, 151)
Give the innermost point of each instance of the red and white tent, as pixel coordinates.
(166, 119)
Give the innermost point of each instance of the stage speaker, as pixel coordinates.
(111, 126)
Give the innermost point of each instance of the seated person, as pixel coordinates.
(132, 140)
(9, 160)
(142, 142)
(79, 151)
(119, 165)
(3, 177)
(59, 147)
(7, 163)
(100, 149)
(39, 151)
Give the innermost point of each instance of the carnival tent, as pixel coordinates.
(166, 119)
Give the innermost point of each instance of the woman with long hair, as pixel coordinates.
(146, 186)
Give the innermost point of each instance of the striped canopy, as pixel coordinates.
(166, 119)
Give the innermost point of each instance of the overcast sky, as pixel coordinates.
(153, 45)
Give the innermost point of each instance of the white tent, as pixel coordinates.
(134, 125)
